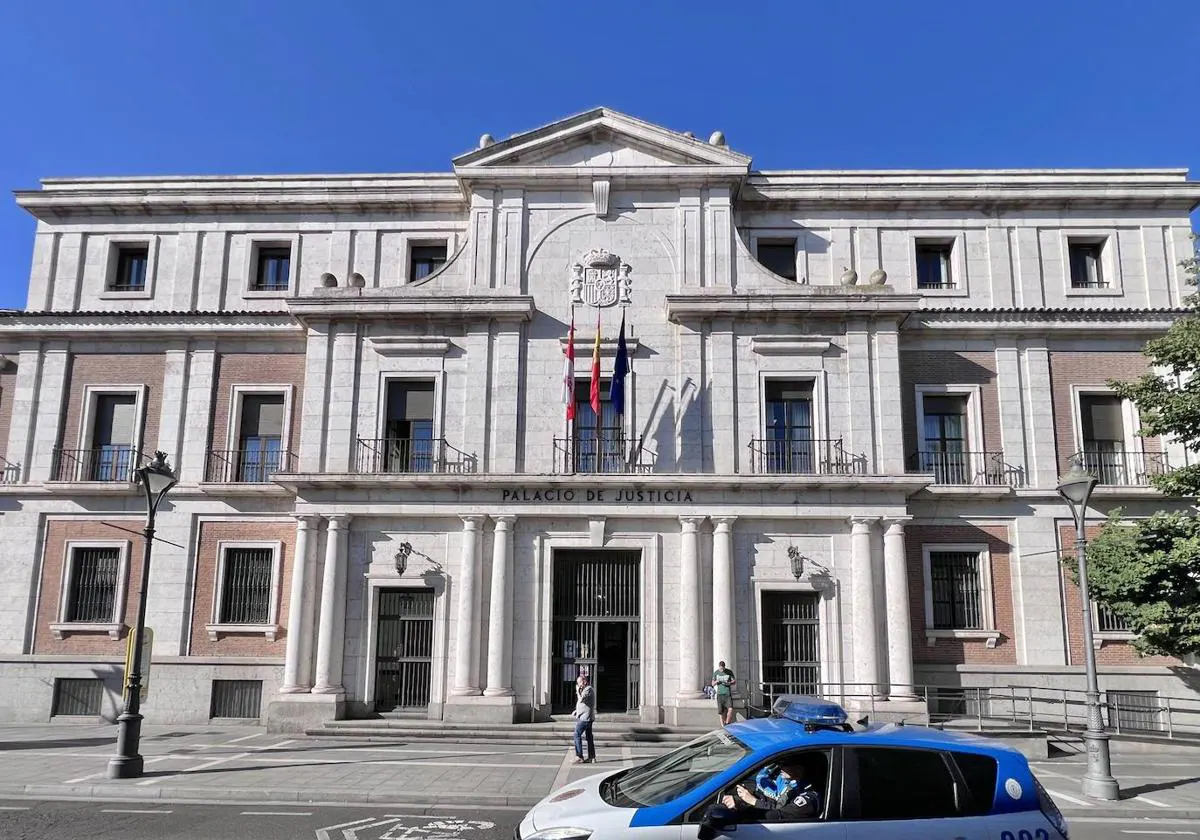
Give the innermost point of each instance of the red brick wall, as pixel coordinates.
(1087, 368)
(211, 535)
(961, 651)
(1111, 652)
(255, 369)
(945, 367)
(120, 369)
(58, 532)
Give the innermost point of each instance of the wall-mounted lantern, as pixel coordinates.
(401, 558)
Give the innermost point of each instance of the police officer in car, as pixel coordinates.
(780, 795)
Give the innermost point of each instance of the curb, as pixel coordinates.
(1157, 815)
(110, 793)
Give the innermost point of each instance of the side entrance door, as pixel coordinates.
(403, 649)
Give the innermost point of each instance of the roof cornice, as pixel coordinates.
(400, 305)
(817, 301)
(1123, 321)
(109, 325)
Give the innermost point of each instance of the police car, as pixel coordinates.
(867, 783)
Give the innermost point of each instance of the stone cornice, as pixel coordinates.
(815, 301)
(109, 325)
(402, 305)
(1041, 321)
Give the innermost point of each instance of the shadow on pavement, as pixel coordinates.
(7, 746)
(1129, 793)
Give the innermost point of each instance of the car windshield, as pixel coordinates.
(674, 774)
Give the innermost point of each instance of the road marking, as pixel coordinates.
(275, 746)
(195, 769)
(564, 769)
(627, 754)
(1151, 801)
(1153, 831)
(132, 811)
(244, 738)
(277, 813)
(323, 833)
(14, 807)
(1071, 799)
(104, 772)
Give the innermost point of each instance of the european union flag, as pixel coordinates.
(616, 389)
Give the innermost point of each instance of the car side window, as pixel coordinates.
(979, 773)
(903, 784)
(811, 767)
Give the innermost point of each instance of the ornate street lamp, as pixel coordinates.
(401, 558)
(156, 479)
(1076, 487)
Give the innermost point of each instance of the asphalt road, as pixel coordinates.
(67, 820)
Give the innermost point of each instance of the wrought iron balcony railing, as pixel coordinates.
(603, 455)
(10, 473)
(971, 469)
(246, 466)
(1132, 469)
(108, 463)
(387, 456)
(805, 457)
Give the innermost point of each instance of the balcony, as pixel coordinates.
(246, 466)
(400, 456)
(805, 457)
(111, 464)
(968, 469)
(1128, 469)
(604, 456)
(10, 473)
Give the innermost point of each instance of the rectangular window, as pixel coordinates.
(408, 444)
(1107, 621)
(79, 697)
(778, 256)
(954, 578)
(789, 428)
(246, 578)
(273, 268)
(236, 699)
(260, 437)
(93, 580)
(946, 450)
(113, 427)
(979, 772)
(927, 793)
(933, 264)
(1086, 266)
(1103, 432)
(424, 260)
(599, 444)
(130, 270)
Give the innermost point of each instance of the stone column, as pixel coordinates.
(295, 676)
(332, 630)
(862, 594)
(500, 618)
(690, 626)
(724, 638)
(465, 680)
(899, 624)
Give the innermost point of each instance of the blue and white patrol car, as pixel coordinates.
(867, 783)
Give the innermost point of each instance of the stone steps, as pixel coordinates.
(555, 733)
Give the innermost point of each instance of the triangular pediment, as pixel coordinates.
(601, 138)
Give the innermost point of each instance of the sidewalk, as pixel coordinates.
(247, 764)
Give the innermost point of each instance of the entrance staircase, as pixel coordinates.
(609, 732)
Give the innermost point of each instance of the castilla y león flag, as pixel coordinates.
(568, 394)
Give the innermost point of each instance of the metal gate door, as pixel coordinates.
(403, 649)
(594, 588)
(790, 644)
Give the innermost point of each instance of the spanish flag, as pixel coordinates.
(595, 394)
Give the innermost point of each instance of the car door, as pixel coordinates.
(904, 794)
(826, 780)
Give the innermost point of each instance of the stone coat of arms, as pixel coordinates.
(600, 279)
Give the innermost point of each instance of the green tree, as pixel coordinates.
(1147, 571)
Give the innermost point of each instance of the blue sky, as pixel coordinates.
(262, 86)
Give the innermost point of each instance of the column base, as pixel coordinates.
(693, 712)
(295, 689)
(298, 712)
(480, 708)
(328, 689)
(465, 692)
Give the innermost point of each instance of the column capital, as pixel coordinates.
(723, 523)
(307, 521)
(862, 524)
(503, 522)
(895, 524)
(691, 523)
(339, 521)
(472, 521)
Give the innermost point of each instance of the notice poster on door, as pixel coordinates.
(568, 672)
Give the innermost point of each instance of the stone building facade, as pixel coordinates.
(848, 399)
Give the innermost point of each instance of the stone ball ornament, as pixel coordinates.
(849, 276)
(328, 280)
(486, 140)
(878, 277)
(717, 138)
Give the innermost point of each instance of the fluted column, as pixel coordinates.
(296, 676)
(724, 639)
(499, 660)
(690, 627)
(332, 630)
(899, 625)
(466, 681)
(862, 593)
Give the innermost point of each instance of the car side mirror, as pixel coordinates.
(717, 819)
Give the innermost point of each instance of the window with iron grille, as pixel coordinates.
(236, 699)
(1085, 259)
(130, 273)
(955, 581)
(77, 697)
(425, 260)
(933, 264)
(272, 271)
(246, 577)
(94, 576)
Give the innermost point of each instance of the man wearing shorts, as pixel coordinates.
(723, 682)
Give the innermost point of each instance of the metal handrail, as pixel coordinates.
(611, 455)
(10, 473)
(397, 456)
(246, 466)
(773, 456)
(107, 464)
(1130, 469)
(987, 469)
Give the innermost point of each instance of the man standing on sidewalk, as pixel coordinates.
(723, 681)
(585, 715)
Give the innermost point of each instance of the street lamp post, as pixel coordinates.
(1076, 487)
(155, 479)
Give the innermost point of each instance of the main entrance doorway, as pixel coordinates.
(403, 649)
(597, 607)
(791, 649)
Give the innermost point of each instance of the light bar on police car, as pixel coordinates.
(811, 711)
